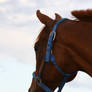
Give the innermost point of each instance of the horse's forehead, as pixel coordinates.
(44, 34)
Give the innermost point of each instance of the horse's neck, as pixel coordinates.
(79, 38)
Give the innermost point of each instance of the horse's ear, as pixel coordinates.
(57, 17)
(43, 18)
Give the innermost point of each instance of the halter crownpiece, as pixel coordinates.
(49, 57)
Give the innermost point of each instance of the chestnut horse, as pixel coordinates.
(72, 48)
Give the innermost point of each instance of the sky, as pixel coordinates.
(19, 28)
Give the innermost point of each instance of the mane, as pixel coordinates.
(83, 15)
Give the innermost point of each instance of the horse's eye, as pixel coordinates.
(36, 48)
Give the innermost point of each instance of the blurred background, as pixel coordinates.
(19, 28)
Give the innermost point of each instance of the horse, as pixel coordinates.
(71, 49)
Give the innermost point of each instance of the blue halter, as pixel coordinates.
(50, 57)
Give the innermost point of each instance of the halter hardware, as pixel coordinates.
(54, 36)
(38, 81)
(50, 57)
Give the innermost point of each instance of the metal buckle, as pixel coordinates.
(54, 36)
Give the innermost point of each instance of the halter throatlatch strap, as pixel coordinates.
(49, 57)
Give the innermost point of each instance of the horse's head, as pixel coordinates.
(50, 75)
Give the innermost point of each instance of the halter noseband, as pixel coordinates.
(50, 57)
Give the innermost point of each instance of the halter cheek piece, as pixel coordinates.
(50, 57)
